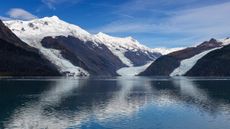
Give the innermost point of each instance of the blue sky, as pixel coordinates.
(155, 23)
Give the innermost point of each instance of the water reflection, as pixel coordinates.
(119, 103)
(41, 114)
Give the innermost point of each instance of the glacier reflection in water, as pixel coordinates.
(135, 103)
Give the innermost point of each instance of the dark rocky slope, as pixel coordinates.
(165, 65)
(97, 60)
(215, 63)
(19, 59)
(139, 58)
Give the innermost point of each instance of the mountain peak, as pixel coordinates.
(131, 38)
(55, 17)
(212, 40)
(47, 26)
(52, 18)
(103, 34)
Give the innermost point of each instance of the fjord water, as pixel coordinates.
(115, 103)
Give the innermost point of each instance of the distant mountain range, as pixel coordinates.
(52, 47)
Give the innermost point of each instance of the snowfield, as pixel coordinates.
(165, 51)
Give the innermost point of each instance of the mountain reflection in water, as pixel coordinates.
(137, 102)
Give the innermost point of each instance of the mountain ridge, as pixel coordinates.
(128, 50)
(180, 62)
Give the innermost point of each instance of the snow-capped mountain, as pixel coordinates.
(182, 61)
(32, 32)
(19, 59)
(76, 52)
(129, 50)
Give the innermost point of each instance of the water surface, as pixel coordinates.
(115, 103)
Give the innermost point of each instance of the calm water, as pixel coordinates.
(119, 103)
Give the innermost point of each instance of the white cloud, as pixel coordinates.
(206, 20)
(18, 13)
(124, 26)
(133, 6)
(209, 21)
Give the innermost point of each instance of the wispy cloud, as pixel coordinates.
(18, 13)
(211, 20)
(124, 26)
(53, 3)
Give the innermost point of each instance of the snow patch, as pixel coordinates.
(165, 51)
(225, 41)
(47, 26)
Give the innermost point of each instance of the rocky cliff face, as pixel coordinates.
(19, 59)
(165, 65)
